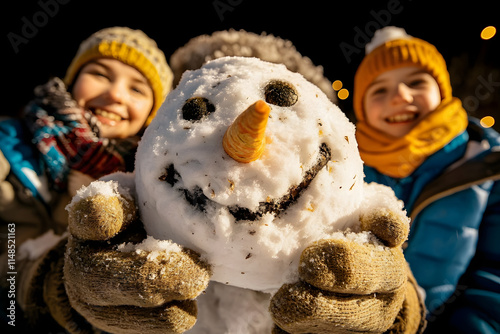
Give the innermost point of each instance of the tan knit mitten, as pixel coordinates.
(411, 317)
(128, 289)
(42, 295)
(351, 287)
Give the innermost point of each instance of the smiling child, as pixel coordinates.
(399, 99)
(81, 128)
(415, 137)
(117, 81)
(118, 94)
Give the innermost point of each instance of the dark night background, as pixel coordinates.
(317, 29)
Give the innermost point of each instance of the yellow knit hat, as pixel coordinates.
(392, 48)
(132, 47)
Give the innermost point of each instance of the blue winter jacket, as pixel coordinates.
(453, 249)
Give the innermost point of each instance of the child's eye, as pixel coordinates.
(101, 74)
(379, 91)
(137, 90)
(417, 83)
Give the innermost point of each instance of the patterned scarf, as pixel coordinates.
(399, 157)
(67, 137)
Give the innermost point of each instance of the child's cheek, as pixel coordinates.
(141, 108)
(373, 110)
(434, 99)
(82, 90)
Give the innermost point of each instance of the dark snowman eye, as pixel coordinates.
(195, 108)
(280, 93)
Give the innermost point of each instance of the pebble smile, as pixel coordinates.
(199, 201)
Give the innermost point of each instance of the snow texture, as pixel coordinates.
(33, 249)
(150, 245)
(105, 187)
(241, 43)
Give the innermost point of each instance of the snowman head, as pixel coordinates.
(248, 163)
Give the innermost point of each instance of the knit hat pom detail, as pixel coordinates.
(384, 35)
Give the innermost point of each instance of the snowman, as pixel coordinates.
(252, 214)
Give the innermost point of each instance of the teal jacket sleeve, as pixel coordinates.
(474, 307)
(23, 160)
(479, 308)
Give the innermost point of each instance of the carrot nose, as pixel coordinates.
(244, 140)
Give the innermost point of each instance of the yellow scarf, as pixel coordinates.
(399, 157)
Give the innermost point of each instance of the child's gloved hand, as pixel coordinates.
(349, 287)
(120, 289)
(54, 107)
(54, 96)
